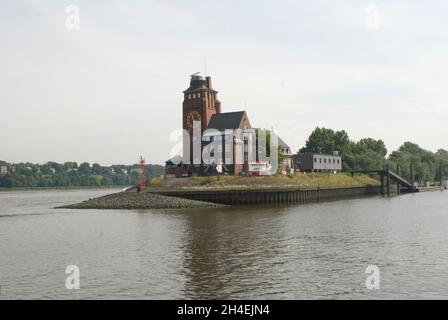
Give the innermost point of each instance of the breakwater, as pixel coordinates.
(273, 196)
(143, 200)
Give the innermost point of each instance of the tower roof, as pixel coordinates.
(198, 82)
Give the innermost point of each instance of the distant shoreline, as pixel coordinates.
(62, 188)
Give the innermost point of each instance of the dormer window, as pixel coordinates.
(194, 96)
(189, 96)
(199, 95)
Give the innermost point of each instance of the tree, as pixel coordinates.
(365, 154)
(96, 168)
(376, 146)
(94, 180)
(326, 141)
(106, 181)
(117, 169)
(423, 161)
(121, 179)
(84, 169)
(69, 165)
(52, 174)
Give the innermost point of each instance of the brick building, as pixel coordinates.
(227, 137)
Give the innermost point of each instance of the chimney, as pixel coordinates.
(209, 82)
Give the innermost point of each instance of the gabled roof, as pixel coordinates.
(226, 120)
(282, 143)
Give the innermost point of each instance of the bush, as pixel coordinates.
(155, 181)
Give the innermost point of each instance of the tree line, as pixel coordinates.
(70, 174)
(365, 154)
(372, 154)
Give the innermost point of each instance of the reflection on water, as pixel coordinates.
(231, 252)
(299, 252)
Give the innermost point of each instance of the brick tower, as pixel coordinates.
(200, 103)
(202, 99)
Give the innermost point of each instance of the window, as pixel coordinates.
(325, 160)
(315, 160)
(189, 96)
(199, 95)
(320, 160)
(194, 95)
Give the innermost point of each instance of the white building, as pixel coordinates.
(3, 170)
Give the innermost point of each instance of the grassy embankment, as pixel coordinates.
(298, 180)
(147, 200)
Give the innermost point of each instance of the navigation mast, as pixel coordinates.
(142, 183)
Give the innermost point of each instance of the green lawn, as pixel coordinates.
(298, 180)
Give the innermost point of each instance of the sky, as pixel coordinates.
(107, 87)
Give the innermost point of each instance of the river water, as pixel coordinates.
(314, 251)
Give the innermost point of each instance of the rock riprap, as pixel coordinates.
(143, 200)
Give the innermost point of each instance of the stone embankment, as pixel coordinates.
(144, 200)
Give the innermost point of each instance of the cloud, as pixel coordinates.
(113, 89)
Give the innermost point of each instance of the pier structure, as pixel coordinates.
(387, 177)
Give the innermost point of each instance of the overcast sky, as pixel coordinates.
(111, 90)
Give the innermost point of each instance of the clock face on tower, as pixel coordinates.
(192, 117)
